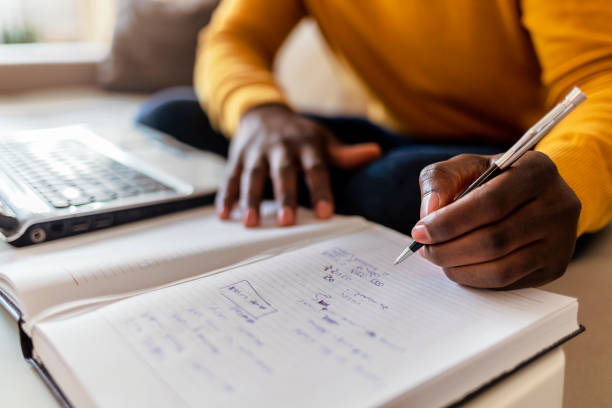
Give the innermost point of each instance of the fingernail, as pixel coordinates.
(223, 213)
(422, 252)
(430, 202)
(420, 234)
(285, 217)
(251, 219)
(324, 209)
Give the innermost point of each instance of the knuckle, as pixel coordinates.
(285, 166)
(311, 128)
(493, 202)
(441, 231)
(433, 171)
(496, 242)
(468, 157)
(284, 144)
(543, 168)
(315, 166)
(434, 175)
(562, 204)
(543, 160)
(469, 160)
(275, 138)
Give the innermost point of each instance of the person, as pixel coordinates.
(452, 84)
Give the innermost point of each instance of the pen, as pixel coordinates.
(574, 98)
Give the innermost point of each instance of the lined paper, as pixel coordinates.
(334, 323)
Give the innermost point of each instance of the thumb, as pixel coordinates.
(352, 156)
(442, 182)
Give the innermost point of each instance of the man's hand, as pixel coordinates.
(273, 141)
(516, 230)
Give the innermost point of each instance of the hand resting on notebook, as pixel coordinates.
(516, 230)
(273, 141)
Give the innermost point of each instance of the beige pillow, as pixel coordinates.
(154, 44)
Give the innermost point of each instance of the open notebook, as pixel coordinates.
(191, 311)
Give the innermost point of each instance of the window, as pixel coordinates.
(26, 21)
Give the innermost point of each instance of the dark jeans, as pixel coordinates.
(385, 191)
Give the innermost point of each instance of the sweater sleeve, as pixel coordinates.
(573, 41)
(233, 71)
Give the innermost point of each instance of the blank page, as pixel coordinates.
(331, 324)
(153, 253)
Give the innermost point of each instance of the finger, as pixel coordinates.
(228, 192)
(501, 272)
(317, 180)
(353, 156)
(491, 242)
(488, 203)
(252, 185)
(284, 180)
(441, 182)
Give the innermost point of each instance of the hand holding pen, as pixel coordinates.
(517, 229)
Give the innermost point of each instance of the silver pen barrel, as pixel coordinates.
(535, 133)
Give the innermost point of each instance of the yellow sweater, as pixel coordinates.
(463, 69)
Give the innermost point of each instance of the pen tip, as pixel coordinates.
(405, 254)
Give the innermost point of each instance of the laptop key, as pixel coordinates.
(82, 200)
(59, 203)
(104, 196)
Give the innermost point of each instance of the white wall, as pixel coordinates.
(61, 20)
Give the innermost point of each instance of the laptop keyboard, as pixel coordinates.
(69, 173)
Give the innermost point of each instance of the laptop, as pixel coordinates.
(64, 181)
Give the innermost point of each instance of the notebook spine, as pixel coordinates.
(28, 354)
(9, 306)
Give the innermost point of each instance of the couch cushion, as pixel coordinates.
(154, 44)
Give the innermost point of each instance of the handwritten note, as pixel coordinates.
(245, 297)
(334, 321)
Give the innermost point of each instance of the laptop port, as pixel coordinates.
(81, 225)
(128, 215)
(37, 235)
(103, 221)
(58, 228)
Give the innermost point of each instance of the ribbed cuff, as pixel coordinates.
(584, 170)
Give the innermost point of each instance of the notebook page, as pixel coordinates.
(333, 324)
(151, 257)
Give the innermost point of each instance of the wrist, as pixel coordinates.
(268, 109)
